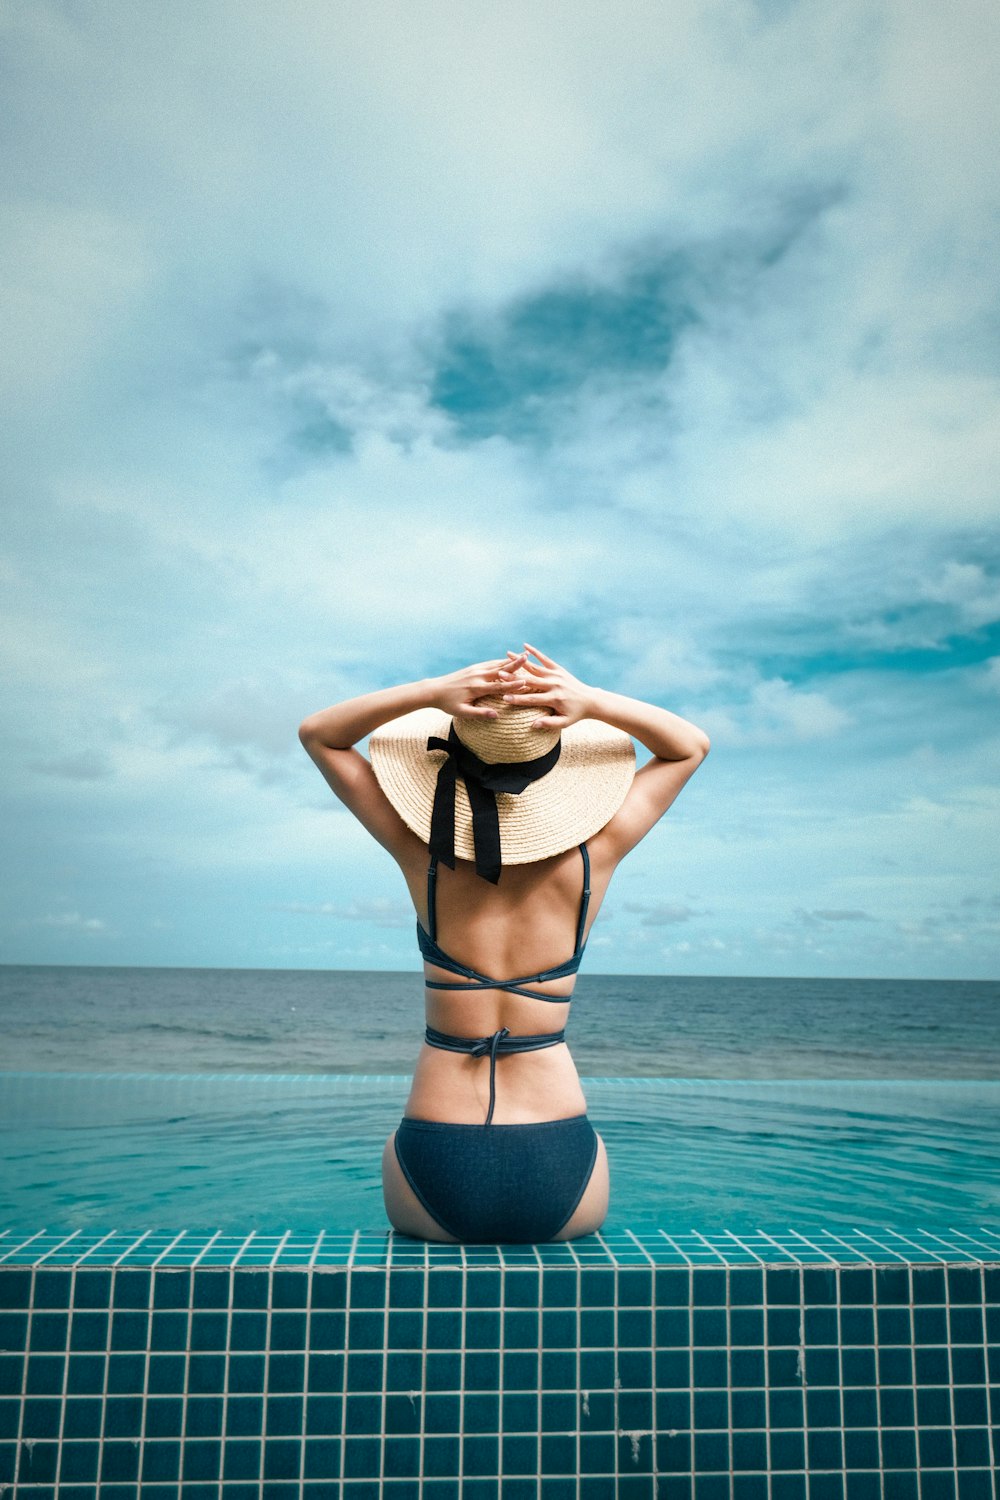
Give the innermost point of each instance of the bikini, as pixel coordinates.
(497, 1183)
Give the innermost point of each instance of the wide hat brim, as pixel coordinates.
(568, 805)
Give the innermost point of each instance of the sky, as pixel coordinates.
(346, 345)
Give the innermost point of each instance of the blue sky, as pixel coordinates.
(349, 344)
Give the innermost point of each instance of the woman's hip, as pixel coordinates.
(500, 1182)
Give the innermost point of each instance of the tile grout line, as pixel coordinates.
(616, 1400)
(803, 1381)
(182, 1435)
(227, 1369)
(64, 1392)
(103, 1240)
(951, 1378)
(102, 1447)
(65, 1241)
(268, 1271)
(306, 1373)
(913, 1364)
(175, 1241)
(991, 1433)
(578, 1324)
(146, 1360)
(878, 1395)
(423, 1369)
(840, 1374)
(385, 1363)
(133, 1246)
(502, 1343)
(22, 1245)
(24, 1383)
(348, 1273)
(766, 1386)
(461, 1371)
(248, 1241)
(206, 1248)
(729, 1371)
(540, 1313)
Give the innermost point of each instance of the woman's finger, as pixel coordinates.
(551, 721)
(474, 711)
(545, 660)
(534, 699)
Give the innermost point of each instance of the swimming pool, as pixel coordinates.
(300, 1152)
(199, 1295)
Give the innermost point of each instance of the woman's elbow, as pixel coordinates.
(307, 732)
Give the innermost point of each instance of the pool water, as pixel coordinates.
(301, 1152)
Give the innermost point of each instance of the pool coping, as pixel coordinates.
(691, 1250)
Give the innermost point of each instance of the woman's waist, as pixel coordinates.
(530, 1086)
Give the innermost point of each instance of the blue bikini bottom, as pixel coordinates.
(507, 1184)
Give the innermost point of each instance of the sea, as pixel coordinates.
(177, 1020)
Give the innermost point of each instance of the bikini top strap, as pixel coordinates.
(432, 870)
(584, 901)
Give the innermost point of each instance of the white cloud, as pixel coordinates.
(379, 912)
(966, 586)
(72, 921)
(776, 712)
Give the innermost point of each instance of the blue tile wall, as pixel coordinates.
(140, 1368)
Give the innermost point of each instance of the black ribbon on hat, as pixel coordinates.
(482, 782)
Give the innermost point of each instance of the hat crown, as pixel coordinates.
(509, 738)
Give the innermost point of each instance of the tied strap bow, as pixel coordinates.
(483, 1046)
(482, 782)
(489, 1044)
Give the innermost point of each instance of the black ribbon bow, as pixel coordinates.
(482, 782)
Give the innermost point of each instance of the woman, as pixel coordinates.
(511, 766)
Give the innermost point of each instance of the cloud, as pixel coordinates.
(970, 591)
(835, 914)
(378, 912)
(775, 711)
(661, 913)
(72, 922)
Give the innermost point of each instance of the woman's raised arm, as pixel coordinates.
(677, 746)
(329, 737)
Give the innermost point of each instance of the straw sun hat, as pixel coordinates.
(534, 792)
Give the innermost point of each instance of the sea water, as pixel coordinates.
(297, 1021)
